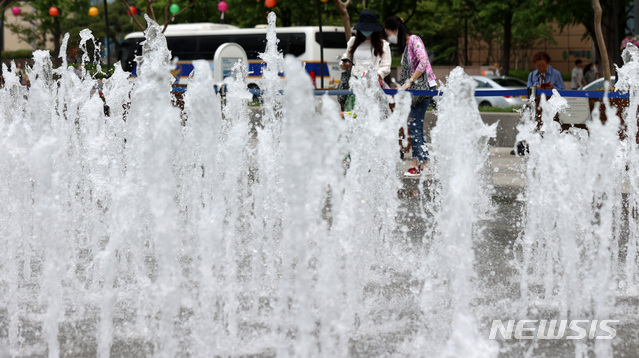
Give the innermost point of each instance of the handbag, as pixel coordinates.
(419, 84)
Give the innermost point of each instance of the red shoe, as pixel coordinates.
(413, 172)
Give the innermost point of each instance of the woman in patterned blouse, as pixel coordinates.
(418, 73)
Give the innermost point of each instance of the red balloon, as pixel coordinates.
(16, 11)
(222, 6)
(132, 10)
(53, 11)
(270, 3)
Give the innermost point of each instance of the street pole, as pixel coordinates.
(321, 42)
(1, 41)
(106, 19)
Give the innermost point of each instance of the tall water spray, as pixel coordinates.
(462, 190)
(201, 232)
(134, 228)
(578, 248)
(629, 81)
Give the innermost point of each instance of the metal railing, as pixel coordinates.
(478, 93)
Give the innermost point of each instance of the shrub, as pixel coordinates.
(19, 55)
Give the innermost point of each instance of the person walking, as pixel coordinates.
(417, 73)
(577, 76)
(366, 51)
(589, 73)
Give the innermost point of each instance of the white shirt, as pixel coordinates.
(363, 58)
(577, 77)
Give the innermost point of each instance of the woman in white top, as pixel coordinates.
(367, 50)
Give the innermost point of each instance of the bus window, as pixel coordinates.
(332, 39)
(184, 48)
(253, 44)
(292, 43)
(207, 45)
(128, 50)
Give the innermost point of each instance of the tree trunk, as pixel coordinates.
(508, 34)
(286, 17)
(605, 63)
(466, 61)
(346, 20)
(57, 38)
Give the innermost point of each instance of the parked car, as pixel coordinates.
(598, 84)
(493, 83)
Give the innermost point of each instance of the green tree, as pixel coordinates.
(503, 12)
(441, 37)
(614, 21)
(248, 13)
(5, 4)
(41, 27)
(530, 30)
(120, 24)
(510, 25)
(158, 10)
(484, 29)
(438, 23)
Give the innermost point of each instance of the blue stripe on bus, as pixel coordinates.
(257, 68)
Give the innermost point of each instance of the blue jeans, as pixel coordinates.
(416, 130)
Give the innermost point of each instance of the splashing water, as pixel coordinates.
(224, 230)
(462, 198)
(578, 247)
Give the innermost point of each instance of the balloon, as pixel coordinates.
(270, 3)
(53, 11)
(222, 6)
(93, 11)
(16, 10)
(174, 9)
(132, 10)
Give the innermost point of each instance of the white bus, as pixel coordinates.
(190, 42)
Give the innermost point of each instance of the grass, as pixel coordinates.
(512, 109)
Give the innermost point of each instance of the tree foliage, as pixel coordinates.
(42, 28)
(39, 28)
(446, 26)
(614, 21)
(158, 11)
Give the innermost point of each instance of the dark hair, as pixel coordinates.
(587, 68)
(578, 61)
(376, 42)
(397, 23)
(541, 56)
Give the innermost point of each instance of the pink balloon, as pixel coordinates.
(16, 10)
(222, 6)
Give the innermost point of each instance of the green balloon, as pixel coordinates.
(174, 9)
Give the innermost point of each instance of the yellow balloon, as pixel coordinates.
(93, 11)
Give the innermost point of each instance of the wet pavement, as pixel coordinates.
(506, 169)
